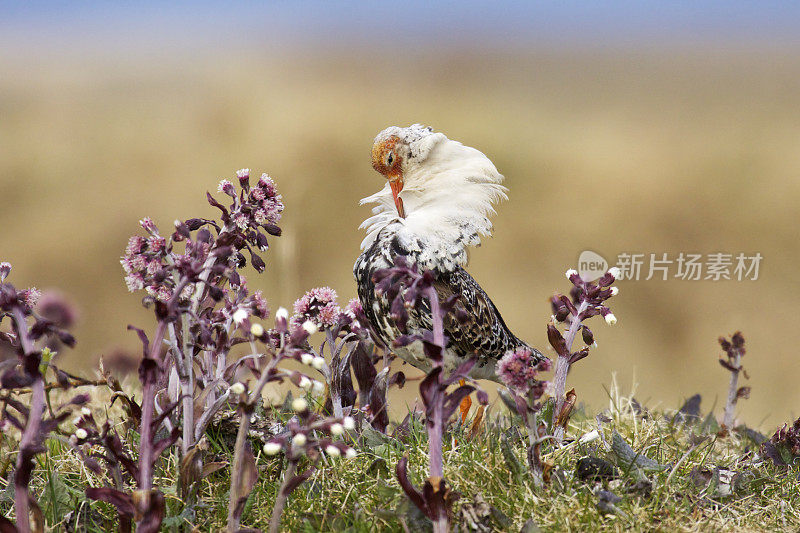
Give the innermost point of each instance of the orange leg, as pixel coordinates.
(466, 403)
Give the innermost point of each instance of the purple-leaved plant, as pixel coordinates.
(519, 370)
(28, 332)
(408, 288)
(734, 351)
(302, 436)
(783, 448)
(203, 309)
(587, 299)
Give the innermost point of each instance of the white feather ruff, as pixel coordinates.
(448, 196)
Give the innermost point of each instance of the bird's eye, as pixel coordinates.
(389, 160)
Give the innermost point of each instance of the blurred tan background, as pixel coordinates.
(618, 149)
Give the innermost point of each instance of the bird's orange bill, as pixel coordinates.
(397, 186)
(466, 403)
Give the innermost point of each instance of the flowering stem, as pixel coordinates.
(732, 392)
(32, 430)
(562, 369)
(148, 409)
(280, 498)
(438, 323)
(245, 413)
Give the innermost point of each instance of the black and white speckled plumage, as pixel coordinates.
(448, 191)
(484, 335)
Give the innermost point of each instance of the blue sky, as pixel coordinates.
(416, 24)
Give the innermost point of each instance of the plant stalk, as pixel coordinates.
(562, 369)
(280, 498)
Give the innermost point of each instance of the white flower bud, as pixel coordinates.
(81, 433)
(73, 440)
(614, 291)
(299, 405)
(570, 272)
(350, 453)
(305, 383)
(318, 362)
(589, 437)
(240, 315)
(614, 271)
(306, 358)
(272, 448)
(86, 411)
(281, 314)
(256, 330)
(349, 423)
(317, 387)
(237, 388)
(337, 429)
(611, 319)
(310, 327)
(299, 439)
(332, 450)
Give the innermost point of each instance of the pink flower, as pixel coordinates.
(518, 369)
(135, 245)
(318, 305)
(31, 296)
(261, 306)
(149, 226)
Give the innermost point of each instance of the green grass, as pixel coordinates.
(362, 494)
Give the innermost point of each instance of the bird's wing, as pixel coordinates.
(481, 331)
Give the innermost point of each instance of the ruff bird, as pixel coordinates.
(437, 202)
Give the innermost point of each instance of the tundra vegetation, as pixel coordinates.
(241, 419)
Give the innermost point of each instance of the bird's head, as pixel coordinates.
(396, 149)
(442, 191)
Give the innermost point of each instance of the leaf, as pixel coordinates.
(476, 425)
(142, 337)
(557, 341)
(121, 500)
(210, 468)
(771, 452)
(56, 498)
(743, 392)
(401, 470)
(627, 457)
(190, 468)
(247, 480)
(212, 201)
(453, 400)
(297, 480)
(152, 508)
(512, 462)
(7, 526)
(566, 409)
(690, 410)
(377, 402)
(577, 356)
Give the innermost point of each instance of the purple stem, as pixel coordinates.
(280, 499)
(727, 420)
(436, 429)
(31, 433)
(562, 369)
(148, 409)
(245, 414)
